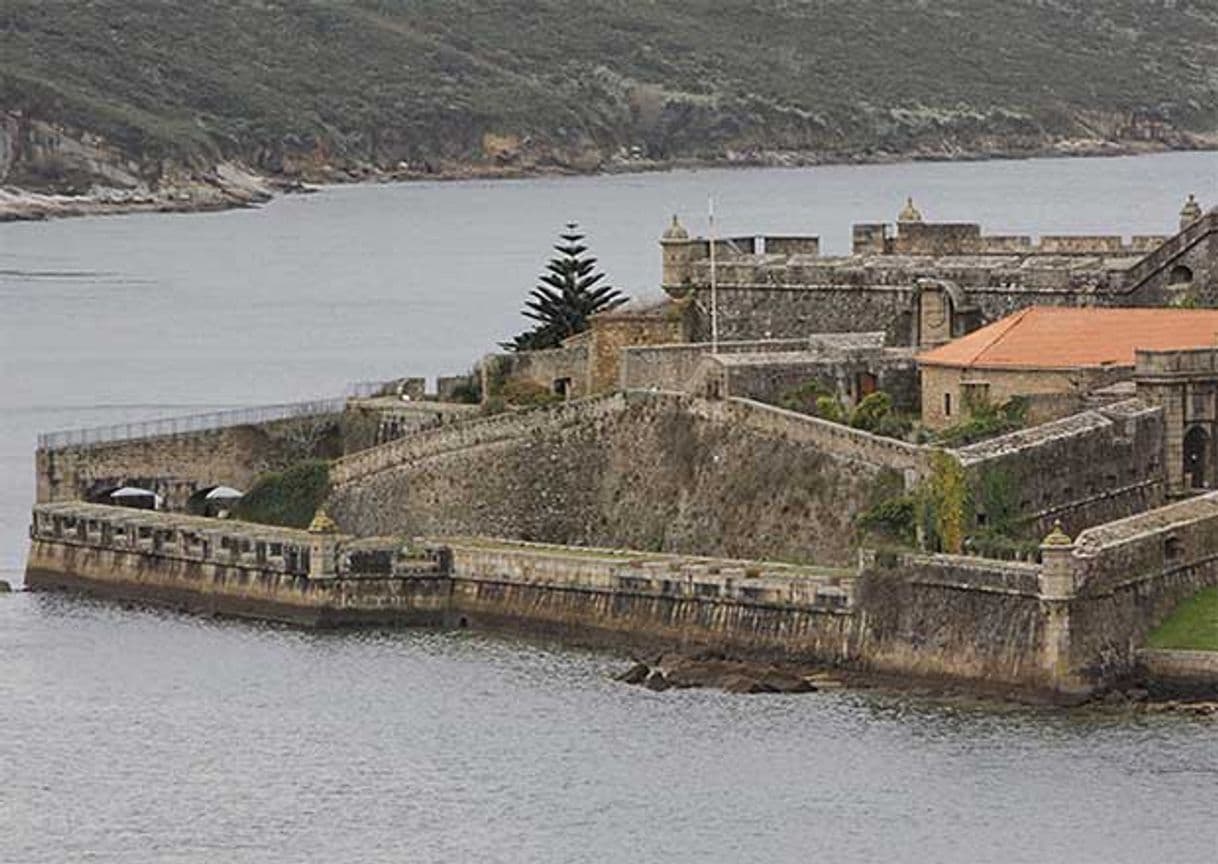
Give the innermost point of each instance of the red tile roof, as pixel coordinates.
(1050, 337)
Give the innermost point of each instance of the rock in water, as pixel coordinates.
(636, 674)
(5, 587)
(656, 681)
(781, 682)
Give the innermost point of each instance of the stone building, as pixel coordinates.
(590, 362)
(1184, 384)
(926, 283)
(1053, 357)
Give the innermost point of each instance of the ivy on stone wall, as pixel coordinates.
(945, 504)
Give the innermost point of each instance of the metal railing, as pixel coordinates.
(368, 389)
(188, 424)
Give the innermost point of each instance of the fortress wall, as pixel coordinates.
(955, 617)
(178, 465)
(541, 368)
(217, 566)
(649, 471)
(1196, 247)
(777, 312)
(673, 367)
(1085, 469)
(993, 623)
(894, 373)
(1131, 573)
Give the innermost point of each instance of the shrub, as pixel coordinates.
(802, 398)
(987, 421)
(894, 519)
(289, 497)
(829, 408)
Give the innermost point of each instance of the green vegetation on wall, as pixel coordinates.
(289, 497)
(986, 421)
(1193, 626)
(944, 504)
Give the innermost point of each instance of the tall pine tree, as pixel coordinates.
(570, 292)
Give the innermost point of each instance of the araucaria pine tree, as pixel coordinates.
(570, 292)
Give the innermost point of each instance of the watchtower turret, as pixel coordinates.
(1190, 213)
(678, 252)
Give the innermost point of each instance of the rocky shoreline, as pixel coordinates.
(232, 185)
(716, 671)
(229, 186)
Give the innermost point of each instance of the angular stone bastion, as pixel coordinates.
(1065, 627)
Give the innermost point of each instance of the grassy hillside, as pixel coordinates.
(294, 85)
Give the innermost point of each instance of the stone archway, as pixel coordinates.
(1180, 275)
(1196, 458)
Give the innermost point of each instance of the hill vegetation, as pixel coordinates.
(318, 88)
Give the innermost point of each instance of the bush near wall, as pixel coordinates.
(289, 497)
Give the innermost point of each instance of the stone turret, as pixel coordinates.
(1057, 574)
(909, 213)
(679, 252)
(1190, 213)
(323, 544)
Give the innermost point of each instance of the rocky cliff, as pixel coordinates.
(174, 103)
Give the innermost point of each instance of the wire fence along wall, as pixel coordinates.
(188, 424)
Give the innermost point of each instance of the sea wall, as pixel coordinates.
(643, 470)
(213, 566)
(1128, 575)
(1065, 627)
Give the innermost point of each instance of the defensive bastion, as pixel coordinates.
(708, 493)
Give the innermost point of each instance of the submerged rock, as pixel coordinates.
(5, 587)
(656, 681)
(636, 674)
(714, 670)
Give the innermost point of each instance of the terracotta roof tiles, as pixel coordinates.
(1048, 337)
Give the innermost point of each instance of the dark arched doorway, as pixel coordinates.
(1180, 275)
(1196, 454)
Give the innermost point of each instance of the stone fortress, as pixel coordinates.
(651, 483)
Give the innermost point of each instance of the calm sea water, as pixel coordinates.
(130, 736)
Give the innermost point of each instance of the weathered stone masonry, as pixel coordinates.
(643, 470)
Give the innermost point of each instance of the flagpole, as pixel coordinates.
(714, 285)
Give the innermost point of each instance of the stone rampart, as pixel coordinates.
(1085, 469)
(177, 464)
(655, 471)
(223, 567)
(1069, 625)
(1129, 574)
(672, 367)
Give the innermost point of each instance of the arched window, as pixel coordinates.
(1180, 274)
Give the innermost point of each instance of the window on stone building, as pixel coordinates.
(562, 386)
(947, 404)
(1201, 402)
(1172, 548)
